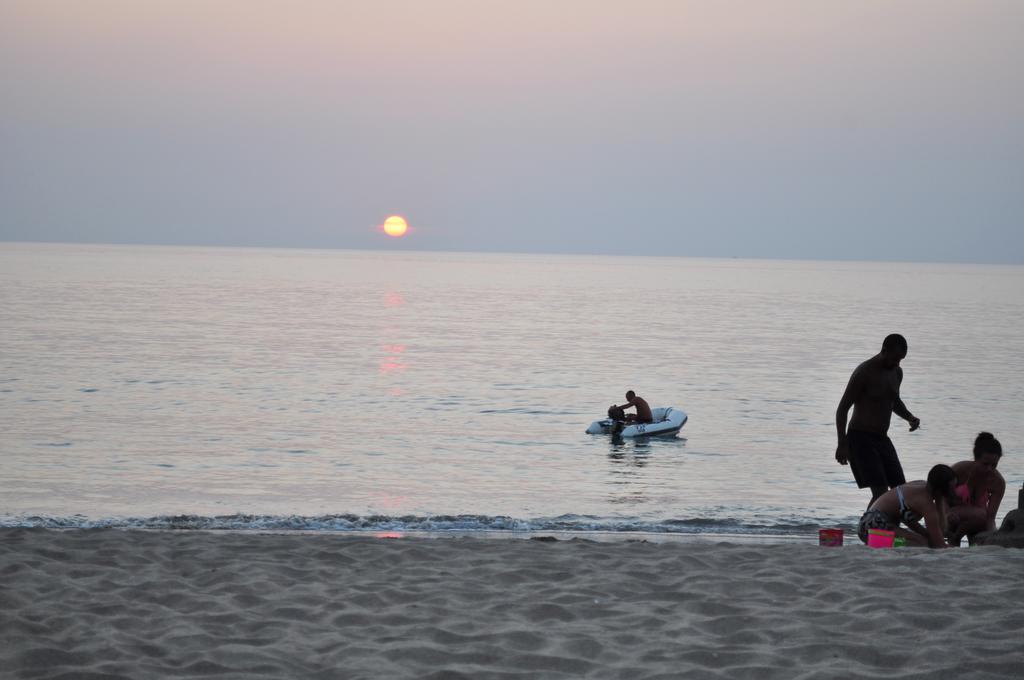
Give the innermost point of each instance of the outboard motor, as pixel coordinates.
(617, 414)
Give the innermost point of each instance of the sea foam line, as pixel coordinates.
(434, 523)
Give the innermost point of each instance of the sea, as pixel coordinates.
(448, 393)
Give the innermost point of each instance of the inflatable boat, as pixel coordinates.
(667, 420)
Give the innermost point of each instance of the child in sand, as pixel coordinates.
(979, 491)
(911, 502)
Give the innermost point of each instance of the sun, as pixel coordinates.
(395, 226)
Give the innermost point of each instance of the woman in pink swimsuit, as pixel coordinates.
(979, 491)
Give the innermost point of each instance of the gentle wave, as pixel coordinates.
(434, 524)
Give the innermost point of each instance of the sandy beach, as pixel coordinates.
(123, 604)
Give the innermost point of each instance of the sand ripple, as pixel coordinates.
(117, 604)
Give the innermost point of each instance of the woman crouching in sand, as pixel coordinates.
(979, 491)
(908, 504)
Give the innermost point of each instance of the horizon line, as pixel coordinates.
(406, 249)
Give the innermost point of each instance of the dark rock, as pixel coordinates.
(1010, 533)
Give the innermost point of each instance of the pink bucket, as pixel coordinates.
(830, 538)
(881, 538)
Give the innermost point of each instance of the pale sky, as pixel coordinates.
(818, 129)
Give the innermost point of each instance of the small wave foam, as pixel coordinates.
(412, 523)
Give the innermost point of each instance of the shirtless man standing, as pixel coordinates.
(643, 409)
(874, 394)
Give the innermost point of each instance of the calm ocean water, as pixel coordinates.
(252, 388)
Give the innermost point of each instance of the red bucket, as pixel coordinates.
(830, 538)
(881, 538)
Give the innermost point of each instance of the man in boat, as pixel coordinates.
(874, 394)
(643, 409)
